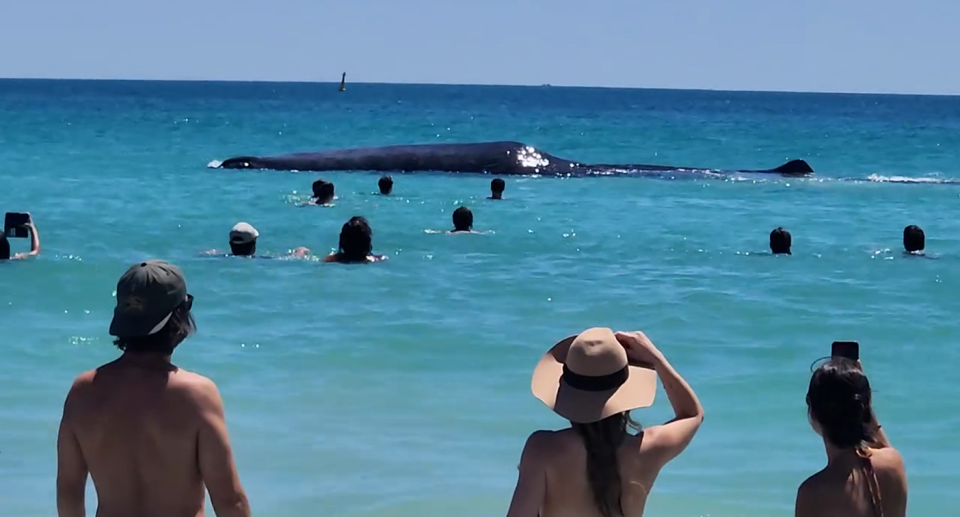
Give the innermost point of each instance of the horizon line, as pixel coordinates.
(490, 85)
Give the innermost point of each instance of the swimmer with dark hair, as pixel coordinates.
(497, 186)
(462, 221)
(356, 243)
(780, 241)
(386, 185)
(913, 240)
(323, 194)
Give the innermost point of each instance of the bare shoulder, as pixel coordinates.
(541, 442)
(198, 387)
(81, 384)
(812, 486)
(886, 457)
(887, 462)
(810, 496)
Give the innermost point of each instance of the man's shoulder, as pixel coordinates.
(193, 382)
(81, 383)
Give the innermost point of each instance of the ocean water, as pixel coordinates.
(402, 388)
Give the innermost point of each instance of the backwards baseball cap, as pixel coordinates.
(243, 233)
(147, 295)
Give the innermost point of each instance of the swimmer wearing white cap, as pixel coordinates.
(243, 239)
(243, 242)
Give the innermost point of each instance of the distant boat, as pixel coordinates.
(343, 82)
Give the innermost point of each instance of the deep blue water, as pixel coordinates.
(402, 388)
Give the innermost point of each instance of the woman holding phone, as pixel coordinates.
(34, 242)
(864, 476)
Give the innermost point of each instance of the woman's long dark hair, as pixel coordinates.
(356, 240)
(602, 440)
(839, 399)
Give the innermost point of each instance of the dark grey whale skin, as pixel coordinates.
(500, 158)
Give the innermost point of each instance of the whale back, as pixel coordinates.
(795, 167)
(499, 157)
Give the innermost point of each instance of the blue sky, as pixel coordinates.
(799, 45)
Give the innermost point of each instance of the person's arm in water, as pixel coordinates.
(72, 468)
(671, 438)
(531, 487)
(34, 241)
(217, 466)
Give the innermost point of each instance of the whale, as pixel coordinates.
(500, 158)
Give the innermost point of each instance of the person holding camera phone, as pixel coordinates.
(865, 475)
(19, 225)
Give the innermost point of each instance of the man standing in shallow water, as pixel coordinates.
(150, 434)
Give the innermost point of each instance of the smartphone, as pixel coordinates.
(847, 349)
(14, 225)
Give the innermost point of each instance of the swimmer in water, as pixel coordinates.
(497, 187)
(463, 221)
(243, 243)
(913, 240)
(386, 185)
(323, 194)
(356, 243)
(780, 241)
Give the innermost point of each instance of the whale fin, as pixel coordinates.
(239, 162)
(795, 167)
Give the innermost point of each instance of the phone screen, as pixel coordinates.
(848, 349)
(13, 225)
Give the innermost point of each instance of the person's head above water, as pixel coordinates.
(323, 191)
(497, 186)
(385, 184)
(462, 219)
(4, 247)
(243, 239)
(913, 238)
(152, 314)
(839, 404)
(780, 241)
(356, 240)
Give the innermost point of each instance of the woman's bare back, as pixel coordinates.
(568, 490)
(842, 489)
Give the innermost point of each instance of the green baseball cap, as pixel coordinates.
(147, 295)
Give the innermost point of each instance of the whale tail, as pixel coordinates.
(795, 167)
(240, 162)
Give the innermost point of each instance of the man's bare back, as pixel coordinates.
(151, 436)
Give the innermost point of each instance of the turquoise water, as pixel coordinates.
(402, 388)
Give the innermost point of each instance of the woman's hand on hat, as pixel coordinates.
(640, 350)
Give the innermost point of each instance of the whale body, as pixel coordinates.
(501, 158)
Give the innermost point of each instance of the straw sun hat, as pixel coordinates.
(586, 378)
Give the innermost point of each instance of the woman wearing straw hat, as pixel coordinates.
(595, 467)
